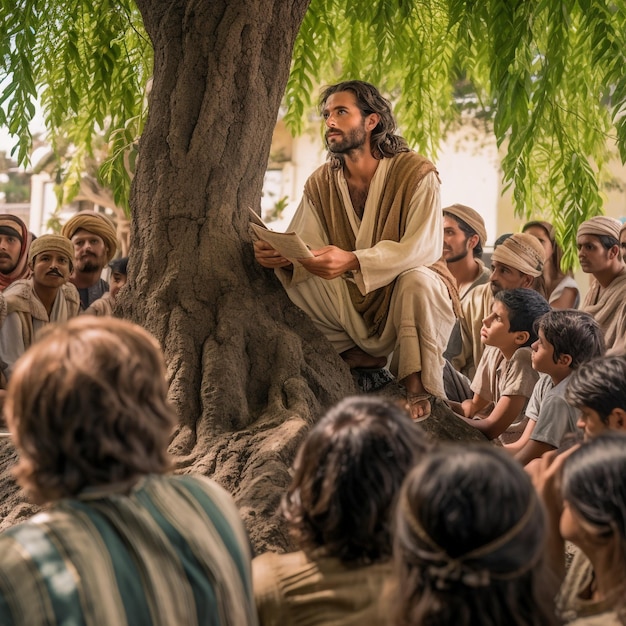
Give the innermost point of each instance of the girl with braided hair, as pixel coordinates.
(469, 543)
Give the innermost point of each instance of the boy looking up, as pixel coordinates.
(566, 340)
(505, 378)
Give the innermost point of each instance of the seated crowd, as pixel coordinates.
(387, 525)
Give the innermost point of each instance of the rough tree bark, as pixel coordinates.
(248, 371)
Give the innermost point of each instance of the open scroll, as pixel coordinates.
(288, 244)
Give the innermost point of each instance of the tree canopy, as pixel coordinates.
(546, 74)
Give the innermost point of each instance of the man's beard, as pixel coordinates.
(89, 266)
(458, 257)
(354, 140)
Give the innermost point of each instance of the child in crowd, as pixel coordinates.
(505, 379)
(592, 488)
(119, 275)
(566, 339)
(469, 543)
(598, 389)
(594, 520)
(338, 508)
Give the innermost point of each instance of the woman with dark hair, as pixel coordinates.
(469, 543)
(338, 507)
(594, 520)
(562, 292)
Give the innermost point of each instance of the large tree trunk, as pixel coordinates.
(248, 371)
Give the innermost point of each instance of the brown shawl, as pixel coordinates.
(403, 178)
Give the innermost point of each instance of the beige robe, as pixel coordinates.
(608, 307)
(23, 314)
(421, 316)
(294, 590)
(476, 305)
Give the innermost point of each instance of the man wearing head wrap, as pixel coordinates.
(464, 235)
(14, 243)
(28, 305)
(597, 240)
(95, 242)
(515, 263)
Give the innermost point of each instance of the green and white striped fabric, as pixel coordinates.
(172, 552)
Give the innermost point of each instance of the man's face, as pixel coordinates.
(10, 248)
(90, 251)
(622, 244)
(506, 277)
(51, 269)
(117, 281)
(593, 256)
(456, 245)
(345, 125)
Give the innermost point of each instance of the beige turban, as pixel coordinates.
(95, 223)
(622, 229)
(51, 243)
(600, 225)
(522, 252)
(472, 218)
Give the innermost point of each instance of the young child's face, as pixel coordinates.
(117, 281)
(543, 354)
(496, 328)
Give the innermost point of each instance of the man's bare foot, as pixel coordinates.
(418, 405)
(357, 358)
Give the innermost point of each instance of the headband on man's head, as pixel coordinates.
(522, 252)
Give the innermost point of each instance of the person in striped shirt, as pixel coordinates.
(120, 540)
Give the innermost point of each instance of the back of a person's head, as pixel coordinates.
(87, 407)
(574, 333)
(594, 488)
(524, 307)
(469, 540)
(347, 474)
(599, 385)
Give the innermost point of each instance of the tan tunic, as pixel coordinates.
(475, 306)
(574, 603)
(608, 307)
(497, 377)
(420, 317)
(26, 314)
(292, 590)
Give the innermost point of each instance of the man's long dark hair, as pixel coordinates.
(383, 141)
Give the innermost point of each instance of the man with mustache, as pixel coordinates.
(376, 285)
(15, 240)
(516, 263)
(28, 305)
(597, 240)
(95, 242)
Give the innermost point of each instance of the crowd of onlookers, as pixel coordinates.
(388, 526)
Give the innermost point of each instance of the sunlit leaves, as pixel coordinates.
(88, 65)
(549, 73)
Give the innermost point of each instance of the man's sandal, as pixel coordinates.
(419, 405)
